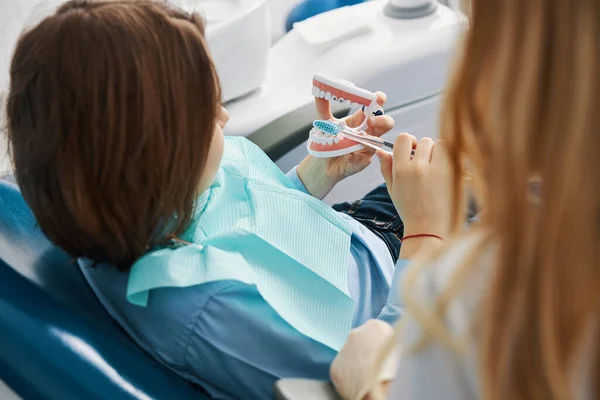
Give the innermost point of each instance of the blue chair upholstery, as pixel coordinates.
(56, 340)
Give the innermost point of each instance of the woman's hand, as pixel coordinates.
(320, 175)
(420, 187)
(352, 368)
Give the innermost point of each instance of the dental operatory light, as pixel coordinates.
(409, 9)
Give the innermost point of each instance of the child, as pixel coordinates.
(216, 263)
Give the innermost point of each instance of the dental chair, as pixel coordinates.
(56, 340)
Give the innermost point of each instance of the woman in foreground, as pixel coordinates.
(508, 310)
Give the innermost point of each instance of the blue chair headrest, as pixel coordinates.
(57, 341)
(24, 247)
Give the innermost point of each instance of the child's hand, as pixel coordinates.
(320, 175)
(338, 168)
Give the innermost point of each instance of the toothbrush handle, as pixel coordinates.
(366, 143)
(380, 146)
(381, 141)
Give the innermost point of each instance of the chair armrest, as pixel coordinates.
(301, 389)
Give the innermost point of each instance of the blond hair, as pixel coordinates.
(521, 105)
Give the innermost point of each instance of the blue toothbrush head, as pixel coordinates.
(327, 127)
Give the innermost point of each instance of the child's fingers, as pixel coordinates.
(381, 125)
(355, 119)
(358, 117)
(381, 98)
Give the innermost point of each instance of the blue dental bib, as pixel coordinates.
(255, 227)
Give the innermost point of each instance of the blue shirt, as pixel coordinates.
(225, 337)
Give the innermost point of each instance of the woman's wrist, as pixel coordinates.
(313, 176)
(416, 243)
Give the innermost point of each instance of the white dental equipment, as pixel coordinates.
(402, 47)
(239, 37)
(238, 34)
(406, 52)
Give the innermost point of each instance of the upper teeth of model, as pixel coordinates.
(330, 97)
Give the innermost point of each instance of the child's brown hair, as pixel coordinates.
(111, 112)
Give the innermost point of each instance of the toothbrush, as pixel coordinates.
(368, 138)
(328, 129)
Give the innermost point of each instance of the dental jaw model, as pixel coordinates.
(334, 138)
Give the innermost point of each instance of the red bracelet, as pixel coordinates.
(421, 235)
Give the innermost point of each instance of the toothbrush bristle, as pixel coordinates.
(327, 127)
